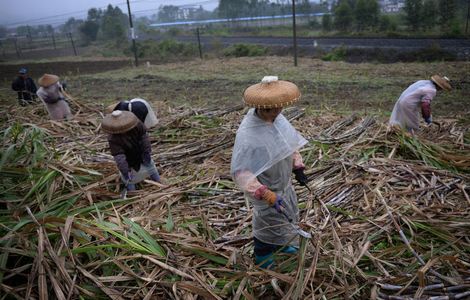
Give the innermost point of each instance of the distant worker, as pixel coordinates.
(417, 97)
(140, 107)
(51, 93)
(130, 146)
(24, 85)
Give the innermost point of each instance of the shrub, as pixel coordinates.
(336, 54)
(239, 50)
(164, 49)
(432, 53)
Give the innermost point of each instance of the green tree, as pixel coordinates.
(3, 31)
(447, 13)
(373, 11)
(114, 24)
(304, 7)
(413, 13)
(89, 29)
(326, 23)
(50, 29)
(22, 30)
(361, 14)
(168, 13)
(430, 14)
(232, 9)
(343, 16)
(71, 25)
(387, 24)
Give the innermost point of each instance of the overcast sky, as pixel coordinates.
(34, 12)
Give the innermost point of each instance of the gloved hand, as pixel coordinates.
(428, 120)
(301, 177)
(279, 204)
(274, 200)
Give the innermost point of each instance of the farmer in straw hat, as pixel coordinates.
(141, 109)
(24, 85)
(264, 156)
(417, 97)
(130, 147)
(51, 93)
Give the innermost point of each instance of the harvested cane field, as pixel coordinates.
(388, 213)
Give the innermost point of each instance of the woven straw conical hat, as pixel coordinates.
(442, 82)
(110, 108)
(271, 93)
(48, 80)
(119, 122)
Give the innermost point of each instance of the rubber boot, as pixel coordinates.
(290, 250)
(266, 261)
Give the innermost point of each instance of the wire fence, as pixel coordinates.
(26, 47)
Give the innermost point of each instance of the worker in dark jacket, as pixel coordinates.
(24, 85)
(130, 146)
(141, 109)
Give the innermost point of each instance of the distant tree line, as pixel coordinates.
(111, 23)
(236, 8)
(108, 24)
(418, 15)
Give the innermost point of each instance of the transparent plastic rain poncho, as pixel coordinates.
(263, 151)
(151, 118)
(260, 144)
(407, 109)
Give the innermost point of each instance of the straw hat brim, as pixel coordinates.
(110, 108)
(441, 82)
(48, 80)
(119, 123)
(276, 94)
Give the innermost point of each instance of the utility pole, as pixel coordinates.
(294, 33)
(468, 16)
(30, 38)
(199, 42)
(134, 47)
(53, 39)
(73, 44)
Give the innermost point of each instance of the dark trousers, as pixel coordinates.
(262, 249)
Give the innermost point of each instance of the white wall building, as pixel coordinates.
(392, 6)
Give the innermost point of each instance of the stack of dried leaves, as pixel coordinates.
(388, 213)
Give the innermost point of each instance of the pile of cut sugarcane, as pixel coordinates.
(389, 213)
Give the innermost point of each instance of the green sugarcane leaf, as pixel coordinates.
(151, 243)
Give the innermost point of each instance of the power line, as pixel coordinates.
(44, 20)
(66, 14)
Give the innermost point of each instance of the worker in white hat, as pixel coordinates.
(51, 93)
(130, 146)
(415, 99)
(265, 154)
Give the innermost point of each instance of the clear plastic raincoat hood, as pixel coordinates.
(260, 144)
(407, 109)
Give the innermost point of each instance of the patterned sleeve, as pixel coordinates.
(426, 108)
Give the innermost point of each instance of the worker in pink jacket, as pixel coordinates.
(415, 99)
